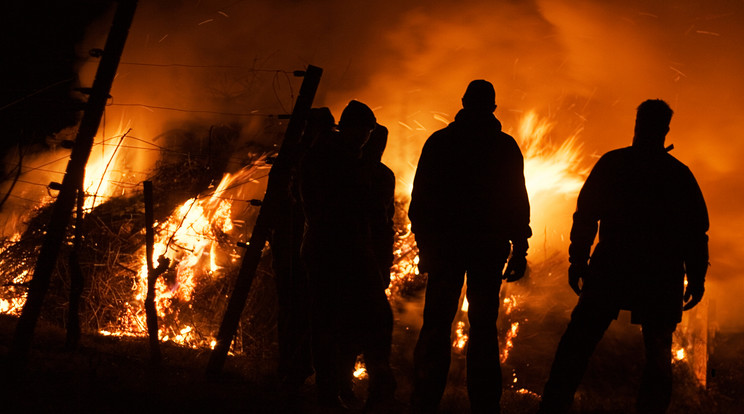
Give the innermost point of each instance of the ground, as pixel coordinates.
(113, 375)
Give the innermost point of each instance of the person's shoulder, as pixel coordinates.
(443, 134)
(387, 175)
(679, 168)
(616, 155)
(673, 161)
(507, 138)
(386, 170)
(440, 138)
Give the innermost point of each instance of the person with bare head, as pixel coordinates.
(350, 309)
(653, 224)
(469, 210)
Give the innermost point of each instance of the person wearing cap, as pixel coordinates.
(343, 270)
(652, 223)
(469, 212)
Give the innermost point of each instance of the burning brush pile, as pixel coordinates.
(202, 214)
(205, 204)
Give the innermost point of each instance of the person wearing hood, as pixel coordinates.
(469, 211)
(350, 312)
(652, 223)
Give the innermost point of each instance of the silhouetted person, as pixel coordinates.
(372, 334)
(337, 250)
(652, 222)
(468, 202)
(381, 210)
(293, 324)
(382, 201)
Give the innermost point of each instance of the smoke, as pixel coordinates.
(584, 65)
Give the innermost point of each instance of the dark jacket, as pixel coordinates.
(470, 184)
(333, 188)
(652, 223)
(381, 210)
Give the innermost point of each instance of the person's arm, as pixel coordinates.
(520, 230)
(585, 226)
(421, 211)
(696, 244)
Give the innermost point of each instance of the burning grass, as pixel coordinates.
(192, 293)
(199, 225)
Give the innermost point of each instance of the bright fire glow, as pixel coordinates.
(509, 343)
(510, 304)
(461, 338)
(360, 371)
(189, 239)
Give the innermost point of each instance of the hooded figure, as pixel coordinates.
(349, 306)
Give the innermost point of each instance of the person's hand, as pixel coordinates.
(693, 295)
(516, 268)
(577, 273)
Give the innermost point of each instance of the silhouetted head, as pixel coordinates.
(652, 123)
(356, 123)
(320, 122)
(375, 146)
(321, 118)
(479, 95)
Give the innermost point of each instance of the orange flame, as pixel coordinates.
(189, 239)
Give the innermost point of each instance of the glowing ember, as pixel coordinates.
(405, 265)
(13, 306)
(524, 391)
(360, 371)
(509, 344)
(679, 354)
(461, 337)
(510, 304)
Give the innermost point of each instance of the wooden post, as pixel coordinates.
(278, 181)
(74, 174)
(77, 280)
(151, 312)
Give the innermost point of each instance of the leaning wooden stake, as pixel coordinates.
(278, 181)
(74, 174)
(77, 280)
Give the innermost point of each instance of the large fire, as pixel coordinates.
(199, 238)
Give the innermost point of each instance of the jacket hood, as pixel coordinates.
(470, 118)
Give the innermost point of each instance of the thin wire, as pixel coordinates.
(212, 194)
(186, 65)
(43, 170)
(25, 199)
(39, 167)
(19, 100)
(32, 183)
(103, 175)
(163, 149)
(167, 245)
(166, 108)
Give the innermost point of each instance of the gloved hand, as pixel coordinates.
(516, 268)
(693, 295)
(577, 273)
